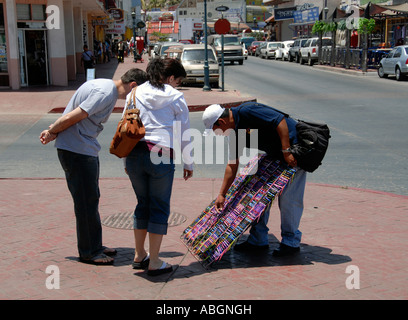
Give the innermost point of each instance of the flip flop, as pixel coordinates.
(142, 264)
(163, 269)
(109, 252)
(98, 263)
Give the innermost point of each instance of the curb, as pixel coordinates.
(191, 108)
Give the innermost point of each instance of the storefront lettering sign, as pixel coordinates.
(284, 13)
(305, 6)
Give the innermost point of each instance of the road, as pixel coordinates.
(367, 117)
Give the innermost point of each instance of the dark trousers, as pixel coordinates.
(82, 175)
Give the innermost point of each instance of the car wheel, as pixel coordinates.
(290, 58)
(310, 61)
(398, 74)
(381, 72)
(301, 60)
(241, 62)
(297, 58)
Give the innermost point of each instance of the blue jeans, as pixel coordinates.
(82, 175)
(152, 184)
(291, 210)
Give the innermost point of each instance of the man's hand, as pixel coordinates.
(290, 159)
(46, 136)
(219, 202)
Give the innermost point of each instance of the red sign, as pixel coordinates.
(222, 26)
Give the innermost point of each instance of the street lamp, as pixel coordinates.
(134, 36)
(206, 67)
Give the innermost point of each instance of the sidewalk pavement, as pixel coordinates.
(352, 246)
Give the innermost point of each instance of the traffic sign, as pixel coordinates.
(222, 26)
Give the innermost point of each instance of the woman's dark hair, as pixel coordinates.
(134, 75)
(160, 69)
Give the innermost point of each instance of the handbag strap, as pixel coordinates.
(132, 97)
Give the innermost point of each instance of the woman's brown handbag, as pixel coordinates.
(129, 131)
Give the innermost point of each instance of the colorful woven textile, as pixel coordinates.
(213, 233)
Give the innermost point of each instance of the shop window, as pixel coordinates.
(23, 12)
(38, 11)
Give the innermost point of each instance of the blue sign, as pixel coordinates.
(306, 16)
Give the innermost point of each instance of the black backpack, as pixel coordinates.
(313, 141)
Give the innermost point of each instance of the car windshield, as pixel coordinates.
(274, 45)
(232, 41)
(406, 50)
(165, 47)
(198, 55)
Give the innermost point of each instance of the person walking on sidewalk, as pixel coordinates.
(150, 165)
(87, 60)
(276, 134)
(76, 133)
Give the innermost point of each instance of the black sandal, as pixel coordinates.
(93, 261)
(142, 264)
(165, 268)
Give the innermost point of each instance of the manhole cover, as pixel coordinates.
(124, 220)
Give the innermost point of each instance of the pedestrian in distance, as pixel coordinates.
(76, 133)
(87, 60)
(150, 165)
(121, 51)
(275, 133)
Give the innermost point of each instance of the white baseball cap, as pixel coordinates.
(211, 114)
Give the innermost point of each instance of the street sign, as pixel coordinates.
(140, 24)
(222, 8)
(222, 26)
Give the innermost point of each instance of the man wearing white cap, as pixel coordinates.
(276, 133)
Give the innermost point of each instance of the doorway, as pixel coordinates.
(33, 57)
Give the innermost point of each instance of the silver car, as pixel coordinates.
(394, 63)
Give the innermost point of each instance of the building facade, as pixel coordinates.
(41, 41)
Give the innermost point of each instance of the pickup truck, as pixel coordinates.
(232, 48)
(309, 51)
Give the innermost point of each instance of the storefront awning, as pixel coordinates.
(166, 27)
(403, 8)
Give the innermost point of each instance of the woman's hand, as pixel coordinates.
(187, 174)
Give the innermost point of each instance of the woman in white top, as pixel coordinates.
(150, 165)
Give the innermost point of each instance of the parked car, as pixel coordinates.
(156, 50)
(270, 49)
(246, 41)
(232, 48)
(395, 63)
(294, 51)
(283, 52)
(309, 51)
(192, 59)
(253, 46)
(166, 45)
(258, 49)
(244, 52)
